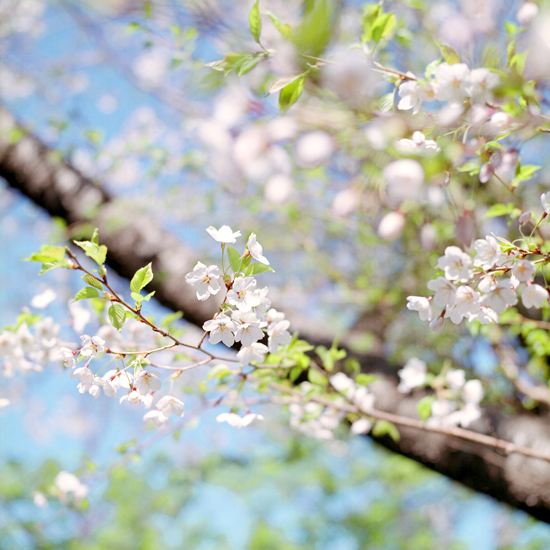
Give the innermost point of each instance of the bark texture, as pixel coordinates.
(135, 240)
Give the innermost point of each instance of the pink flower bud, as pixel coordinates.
(525, 217)
(437, 324)
(391, 226)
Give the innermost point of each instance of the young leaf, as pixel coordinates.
(170, 318)
(424, 407)
(86, 293)
(47, 253)
(449, 53)
(255, 21)
(92, 281)
(280, 83)
(98, 253)
(316, 378)
(234, 259)
(383, 427)
(283, 28)
(291, 92)
(139, 298)
(141, 278)
(255, 269)
(497, 210)
(117, 316)
(383, 26)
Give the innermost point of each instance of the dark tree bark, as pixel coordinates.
(134, 240)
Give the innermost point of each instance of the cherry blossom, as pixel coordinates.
(221, 329)
(451, 82)
(467, 304)
(256, 250)
(67, 355)
(456, 264)
(206, 279)
(255, 352)
(242, 294)
(534, 296)
(412, 375)
(278, 335)
(445, 291)
(500, 296)
(403, 178)
(91, 346)
(422, 305)
(170, 405)
(545, 201)
(147, 382)
(488, 252)
(455, 379)
(523, 271)
(70, 486)
(237, 421)
(157, 417)
(248, 333)
(224, 234)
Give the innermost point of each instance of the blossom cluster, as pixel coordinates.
(140, 385)
(24, 351)
(453, 83)
(457, 400)
(482, 294)
(320, 421)
(246, 314)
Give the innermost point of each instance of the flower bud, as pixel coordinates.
(437, 324)
(391, 226)
(527, 13)
(525, 217)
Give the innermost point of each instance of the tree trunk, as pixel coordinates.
(134, 240)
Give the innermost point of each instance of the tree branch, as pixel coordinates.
(136, 239)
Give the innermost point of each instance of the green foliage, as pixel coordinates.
(424, 406)
(93, 249)
(141, 278)
(117, 315)
(284, 28)
(449, 53)
(86, 293)
(313, 34)
(51, 258)
(290, 94)
(255, 21)
(383, 427)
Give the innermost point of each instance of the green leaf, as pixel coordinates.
(169, 319)
(219, 371)
(449, 53)
(281, 83)
(234, 259)
(86, 293)
(291, 92)
(330, 356)
(139, 298)
(256, 269)
(93, 250)
(383, 26)
(313, 34)
(141, 278)
(383, 427)
(239, 62)
(47, 253)
(316, 377)
(497, 210)
(424, 407)
(369, 17)
(366, 379)
(255, 21)
(92, 281)
(47, 266)
(524, 173)
(283, 28)
(117, 316)
(386, 102)
(518, 61)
